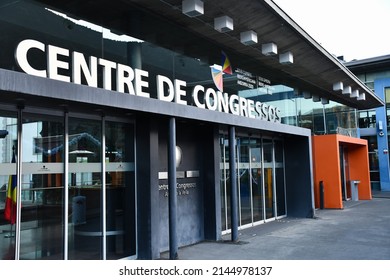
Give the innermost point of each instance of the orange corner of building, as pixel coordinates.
(327, 169)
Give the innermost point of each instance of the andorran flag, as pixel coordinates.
(10, 201)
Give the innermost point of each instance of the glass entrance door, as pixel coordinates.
(279, 179)
(76, 178)
(257, 180)
(41, 235)
(260, 181)
(244, 181)
(269, 196)
(8, 144)
(85, 189)
(120, 190)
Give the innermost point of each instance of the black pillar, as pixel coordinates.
(233, 184)
(148, 219)
(173, 247)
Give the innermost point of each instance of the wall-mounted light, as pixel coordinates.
(269, 49)
(338, 86)
(192, 8)
(355, 93)
(248, 37)
(380, 129)
(286, 58)
(347, 90)
(223, 24)
(362, 96)
(324, 100)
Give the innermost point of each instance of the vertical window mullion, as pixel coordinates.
(66, 185)
(18, 183)
(104, 224)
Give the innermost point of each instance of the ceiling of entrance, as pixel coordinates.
(314, 69)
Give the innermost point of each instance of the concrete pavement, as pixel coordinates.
(361, 231)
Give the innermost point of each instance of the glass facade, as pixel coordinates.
(260, 180)
(78, 183)
(88, 192)
(87, 53)
(42, 188)
(330, 118)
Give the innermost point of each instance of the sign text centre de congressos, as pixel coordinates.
(135, 81)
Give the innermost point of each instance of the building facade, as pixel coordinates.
(121, 123)
(374, 124)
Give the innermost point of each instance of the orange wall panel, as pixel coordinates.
(326, 160)
(327, 169)
(359, 170)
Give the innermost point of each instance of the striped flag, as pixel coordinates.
(10, 201)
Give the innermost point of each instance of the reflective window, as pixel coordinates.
(269, 178)
(260, 180)
(85, 189)
(279, 177)
(42, 188)
(120, 190)
(225, 183)
(8, 145)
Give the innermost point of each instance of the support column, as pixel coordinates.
(148, 219)
(173, 247)
(233, 184)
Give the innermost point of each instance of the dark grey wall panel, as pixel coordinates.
(190, 206)
(299, 186)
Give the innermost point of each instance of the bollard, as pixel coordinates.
(321, 195)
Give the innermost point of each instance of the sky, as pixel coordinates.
(355, 29)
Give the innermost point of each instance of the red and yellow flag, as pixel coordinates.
(10, 201)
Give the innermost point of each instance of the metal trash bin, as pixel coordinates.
(354, 190)
(79, 210)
